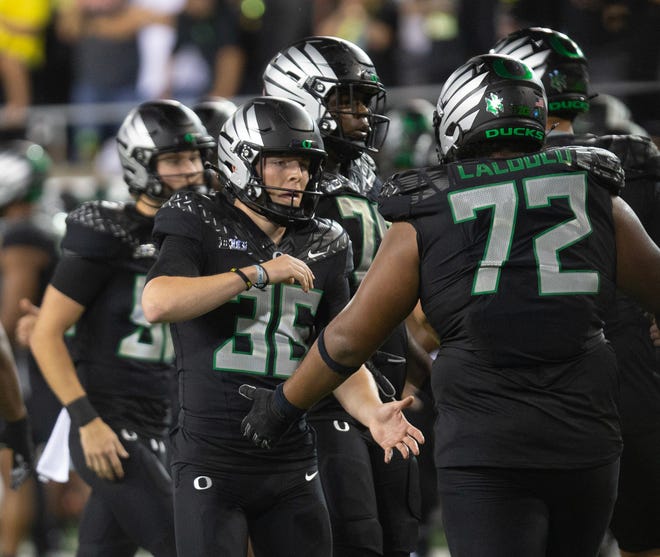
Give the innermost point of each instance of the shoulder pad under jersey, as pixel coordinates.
(187, 212)
(99, 229)
(413, 193)
(639, 156)
(321, 239)
(601, 164)
(361, 178)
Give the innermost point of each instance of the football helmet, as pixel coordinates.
(25, 167)
(558, 61)
(269, 126)
(153, 128)
(214, 112)
(331, 77)
(491, 99)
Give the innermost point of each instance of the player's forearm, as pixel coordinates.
(170, 299)
(359, 395)
(11, 401)
(56, 366)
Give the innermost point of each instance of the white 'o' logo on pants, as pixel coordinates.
(202, 482)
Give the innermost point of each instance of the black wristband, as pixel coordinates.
(81, 411)
(17, 431)
(283, 407)
(335, 366)
(248, 282)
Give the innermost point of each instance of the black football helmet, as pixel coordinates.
(317, 72)
(214, 112)
(153, 128)
(25, 166)
(269, 126)
(491, 99)
(557, 61)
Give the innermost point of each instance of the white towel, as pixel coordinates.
(55, 461)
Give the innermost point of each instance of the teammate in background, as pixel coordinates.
(214, 112)
(27, 259)
(247, 276)
(115, 382)
(515, 254)
(562, 67)
(409, 142)
(16, 432)
(373, 506)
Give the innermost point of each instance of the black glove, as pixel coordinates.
(18, 437)
(270, 417)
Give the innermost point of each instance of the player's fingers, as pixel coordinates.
(247, 391)
(121, 451)
(27, 306)
(388, 455)
(406, 402)
(403, 449)
(116, 470)
(416, 434)
(411, 443)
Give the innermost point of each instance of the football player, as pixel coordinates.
(115, 380)
(27, 259)
(374, 507)
(247, 277)
(515, 254)
(562, 67)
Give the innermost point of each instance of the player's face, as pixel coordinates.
(289, 173)
(181, 169)
(351, 113)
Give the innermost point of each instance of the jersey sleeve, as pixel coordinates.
(70, 268)
(178, 257)
(180, 216)
(93, 231)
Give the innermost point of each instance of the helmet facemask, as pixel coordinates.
(256, 194)
(345, 104)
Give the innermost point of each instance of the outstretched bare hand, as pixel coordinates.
(390, 429)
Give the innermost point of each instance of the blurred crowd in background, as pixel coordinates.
(84, 54)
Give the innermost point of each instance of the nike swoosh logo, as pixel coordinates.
(310, 477)
(314, 254)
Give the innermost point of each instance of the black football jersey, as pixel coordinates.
(106, 253)
(260, 336)
(627, 324)
(517, 269)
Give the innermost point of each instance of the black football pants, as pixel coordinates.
(501, 512)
